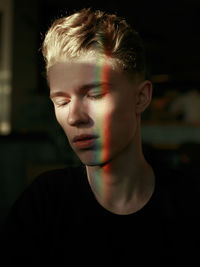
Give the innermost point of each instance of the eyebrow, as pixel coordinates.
(82, 89)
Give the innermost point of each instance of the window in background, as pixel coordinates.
(5, 65)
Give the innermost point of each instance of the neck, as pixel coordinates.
(124, 184)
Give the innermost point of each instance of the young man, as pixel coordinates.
(115, 208)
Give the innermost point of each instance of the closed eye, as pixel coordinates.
(60, 102)
(97, 96)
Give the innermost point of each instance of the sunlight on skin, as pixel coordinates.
(102, 73)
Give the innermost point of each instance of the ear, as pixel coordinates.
(144, 96)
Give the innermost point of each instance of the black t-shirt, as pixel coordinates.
(58, 221)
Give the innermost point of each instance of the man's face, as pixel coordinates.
(95, 106)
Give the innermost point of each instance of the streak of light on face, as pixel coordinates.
(102, 73)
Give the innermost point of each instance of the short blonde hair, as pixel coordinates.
(73, 36)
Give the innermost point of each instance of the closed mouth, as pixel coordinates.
(85, 141)
(83, 138)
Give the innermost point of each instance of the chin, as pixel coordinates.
(93, 158)
(93, 162)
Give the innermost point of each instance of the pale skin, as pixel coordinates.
(120, 177)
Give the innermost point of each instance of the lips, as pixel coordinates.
(84, 141)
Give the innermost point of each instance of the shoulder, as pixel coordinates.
(180, 188)
(46, 194)
(57, 175)
(54, 179)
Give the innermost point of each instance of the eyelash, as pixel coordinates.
(96, 97)
(62, 104)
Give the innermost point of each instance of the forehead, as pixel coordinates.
(76, 73)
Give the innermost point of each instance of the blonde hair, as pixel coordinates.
(76, 35)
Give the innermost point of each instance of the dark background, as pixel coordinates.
(170, 30)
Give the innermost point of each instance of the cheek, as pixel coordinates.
(115, 123)
(101, 113)
(58, 117)
(61, 118)
(113, 115)
(123, 123)
(117, 132)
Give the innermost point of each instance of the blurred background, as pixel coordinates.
(31, 140)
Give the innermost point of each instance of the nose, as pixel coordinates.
(77, 113)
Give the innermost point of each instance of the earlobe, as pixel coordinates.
(144, 96)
